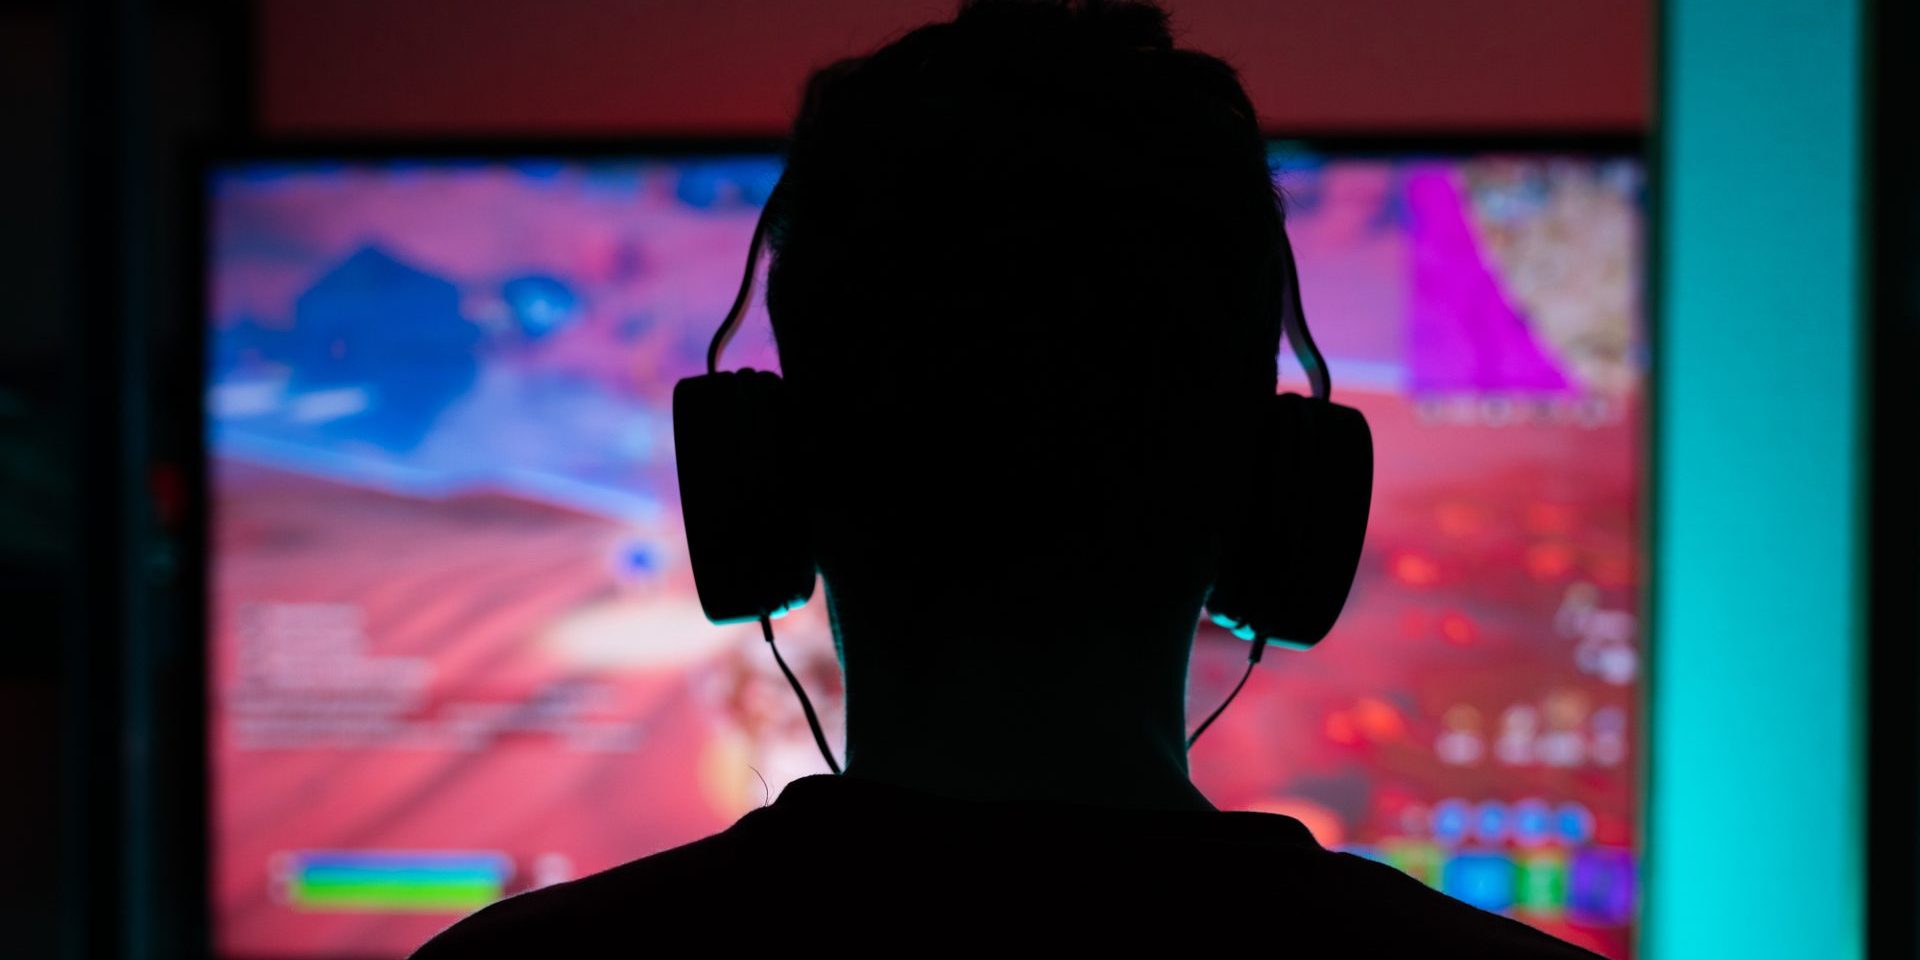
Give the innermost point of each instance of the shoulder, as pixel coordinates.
(597, 910)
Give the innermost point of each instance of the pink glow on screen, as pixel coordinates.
(454, 629)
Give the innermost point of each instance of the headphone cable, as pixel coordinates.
(806, 705)
(1253, 660)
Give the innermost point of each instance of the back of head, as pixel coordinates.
(1025, 286)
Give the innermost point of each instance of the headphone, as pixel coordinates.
(1284, 577)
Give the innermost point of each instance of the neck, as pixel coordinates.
(1022, 718)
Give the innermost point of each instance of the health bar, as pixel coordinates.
(411, 882)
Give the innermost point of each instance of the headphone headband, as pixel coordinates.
(1293, 326)
(724, 335)
(1293, 315)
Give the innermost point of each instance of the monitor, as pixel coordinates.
(454, 649)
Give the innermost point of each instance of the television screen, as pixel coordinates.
(455, 649)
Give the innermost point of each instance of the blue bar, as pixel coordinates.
(420, 864)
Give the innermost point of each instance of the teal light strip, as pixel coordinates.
(1756, 795)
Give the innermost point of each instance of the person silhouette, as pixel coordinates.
(1024, 290)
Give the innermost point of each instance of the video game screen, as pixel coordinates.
(455, 651)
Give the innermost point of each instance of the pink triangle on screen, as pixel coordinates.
(1464, 334)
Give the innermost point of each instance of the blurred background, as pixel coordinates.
(151, 150)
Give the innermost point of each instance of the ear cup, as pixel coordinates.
(1287, 571)
(745, 537)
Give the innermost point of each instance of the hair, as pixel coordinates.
(1031, 251)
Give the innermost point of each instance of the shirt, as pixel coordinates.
(838, 863)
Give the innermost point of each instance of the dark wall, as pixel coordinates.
(583, 66)
(1893, 527)
(101, 104)
(36, 519)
